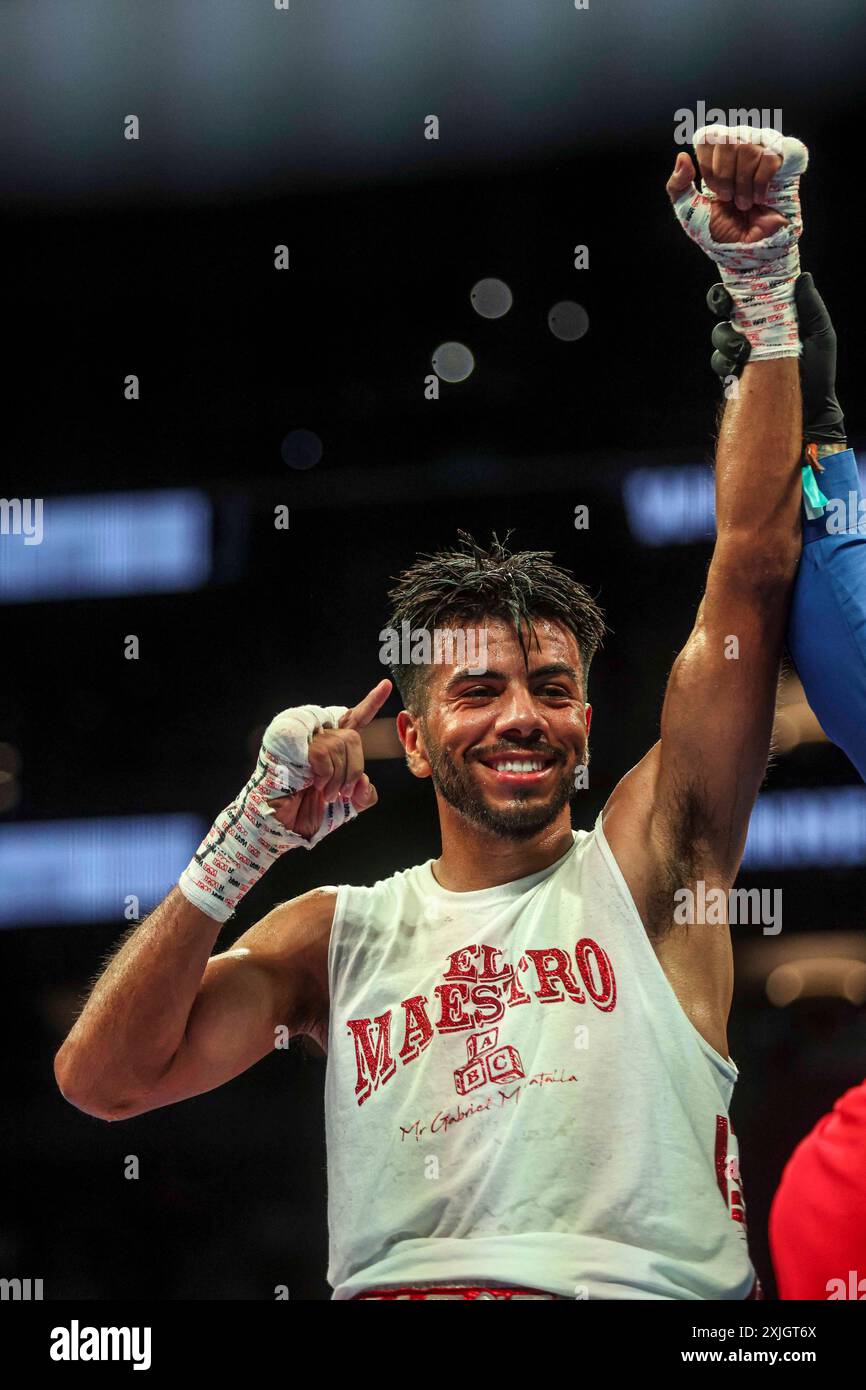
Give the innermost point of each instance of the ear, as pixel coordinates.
(412, 739)
(587, 710)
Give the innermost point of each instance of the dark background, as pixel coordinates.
(306, 128)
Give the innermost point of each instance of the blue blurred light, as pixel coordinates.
(111, 543)
(670, 506)
(825, 828)
(85, 870)
(676, 505)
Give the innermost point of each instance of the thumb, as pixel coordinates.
(682, 180)
(365, 795)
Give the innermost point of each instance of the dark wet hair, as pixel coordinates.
(470, 583)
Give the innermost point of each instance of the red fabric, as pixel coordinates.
(818, 1216)
(481, 1291)
(453, 1291)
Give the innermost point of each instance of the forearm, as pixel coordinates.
(758, 470)
(137, 1012)
(718, 711)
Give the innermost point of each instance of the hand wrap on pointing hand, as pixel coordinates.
(246, 837)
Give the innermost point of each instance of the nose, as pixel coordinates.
(518, 717)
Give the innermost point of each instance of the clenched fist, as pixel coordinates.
(747, 218)
(739, 177)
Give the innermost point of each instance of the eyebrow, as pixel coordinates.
(554, 668)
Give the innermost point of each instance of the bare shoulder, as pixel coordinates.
(306, 919)
(645, 853)
(627, 820)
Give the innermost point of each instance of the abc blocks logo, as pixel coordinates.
(487, 1062)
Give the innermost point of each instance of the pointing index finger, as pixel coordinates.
(367, 709)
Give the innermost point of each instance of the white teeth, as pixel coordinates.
(525, 765)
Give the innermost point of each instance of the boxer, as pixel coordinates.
(528, 1081)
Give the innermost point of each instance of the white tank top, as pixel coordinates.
(514, 1094)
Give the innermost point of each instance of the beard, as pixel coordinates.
(521, 820)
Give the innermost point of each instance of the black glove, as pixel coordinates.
(823, 421)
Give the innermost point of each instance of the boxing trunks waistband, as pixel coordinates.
(472, 1291)
(440, 1291)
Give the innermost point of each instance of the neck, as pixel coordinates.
(474, 858)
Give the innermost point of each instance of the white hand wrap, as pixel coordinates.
(246, 838)
(760, 277)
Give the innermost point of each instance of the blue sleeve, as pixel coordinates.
(827, 625)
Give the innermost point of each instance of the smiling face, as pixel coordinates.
(502, 748)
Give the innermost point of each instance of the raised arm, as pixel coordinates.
(683, 812)
(718, 710)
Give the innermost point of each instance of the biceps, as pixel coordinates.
(232, 1025)
(236, 1011)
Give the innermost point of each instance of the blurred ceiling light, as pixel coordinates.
(491, 298)
(10, 759)
(10, 767)
(796, 828)
(453, 362)
(10, 791)
(568, 321)
(91, 870)
(817, 977)
(670, 506)
(110, 543)
(301, 449)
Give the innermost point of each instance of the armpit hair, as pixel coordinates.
(685, 855)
